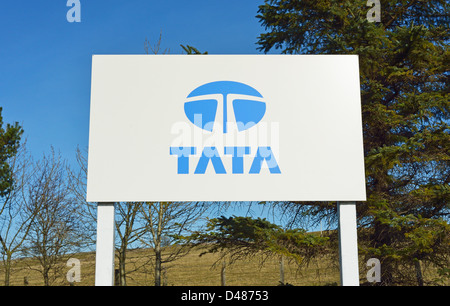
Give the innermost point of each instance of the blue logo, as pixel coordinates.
(247, 111)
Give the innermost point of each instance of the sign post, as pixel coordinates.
(104, 258)
(348, 244)
(226, 128)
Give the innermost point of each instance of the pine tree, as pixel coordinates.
(244, 237)
(9, 143)
(404, 61)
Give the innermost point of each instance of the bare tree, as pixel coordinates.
(54, 231)
(88, 210)
(156, 48)
(164, 222)
(14, 223)
(129, 230)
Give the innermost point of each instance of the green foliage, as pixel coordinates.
(9, 143)
(404, 76)
(240, 237)
(191, 50)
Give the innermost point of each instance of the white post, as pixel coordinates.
(348, 244)
(104, 258)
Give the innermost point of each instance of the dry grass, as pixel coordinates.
(190, 270)
(193, 270)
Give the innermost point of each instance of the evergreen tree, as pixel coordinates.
(404, 75)
(9, 143)
(244, 237)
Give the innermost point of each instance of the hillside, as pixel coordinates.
(191, 270)
(195, 270)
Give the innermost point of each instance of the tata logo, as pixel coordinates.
(238, 104)
(246, 104)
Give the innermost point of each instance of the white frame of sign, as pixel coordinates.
(330, 169)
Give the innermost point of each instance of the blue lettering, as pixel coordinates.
(183, 157)
(210, 154)
(264, 153)
(237, 154)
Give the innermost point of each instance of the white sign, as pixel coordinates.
(225, 128)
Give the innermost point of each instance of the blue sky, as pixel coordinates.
(45, 61)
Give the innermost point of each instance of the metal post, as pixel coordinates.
(104, 258)
(348, 244)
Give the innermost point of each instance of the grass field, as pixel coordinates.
(193, 270)
(190, 270)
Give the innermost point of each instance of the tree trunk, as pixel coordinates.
(282, 270)
(158, 261)
(222, 274)
(122, 270)
(381, 238)
(418, 272)
(116, 277)
(46, 277)
(7, 269)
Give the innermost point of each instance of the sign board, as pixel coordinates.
(225, 128)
